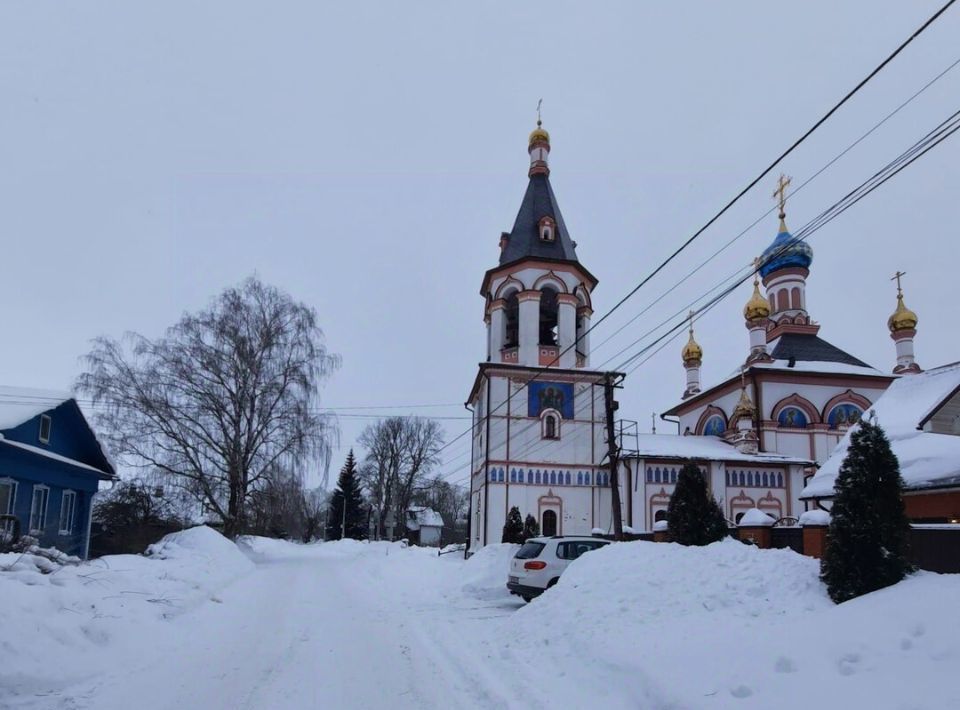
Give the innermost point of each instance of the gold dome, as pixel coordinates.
(692, 350)
(757, 306)
(539, 134)
(902, 318)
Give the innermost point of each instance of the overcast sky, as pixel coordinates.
(366, 156)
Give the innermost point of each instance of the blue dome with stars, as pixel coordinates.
(786, 251)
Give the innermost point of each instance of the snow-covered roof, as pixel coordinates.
(926, 459)
(829, 368)
(700, 448)
(21, 404)
(105, 475)
(421, 516)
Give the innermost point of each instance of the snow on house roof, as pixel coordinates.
(21, 404)
(421, 516)
(105, 475)
(926, 459)
(700, 448)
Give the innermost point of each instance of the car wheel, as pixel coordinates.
(553, 582)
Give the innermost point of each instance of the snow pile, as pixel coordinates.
(70, 617)
(815, 517)
(729, 625)
(756, 518)
(484, 575)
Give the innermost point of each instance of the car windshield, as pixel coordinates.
(529, 550)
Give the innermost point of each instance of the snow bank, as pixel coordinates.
(730, 625)
(83, 618)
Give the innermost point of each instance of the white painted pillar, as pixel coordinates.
(567, 329)
(529, 328)
(496, 329)
(584, 346)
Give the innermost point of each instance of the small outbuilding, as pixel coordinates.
(51, 465)
(425, 526)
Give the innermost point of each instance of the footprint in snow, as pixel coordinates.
(785, 665)
(848, 664)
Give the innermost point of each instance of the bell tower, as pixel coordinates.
(538, 435)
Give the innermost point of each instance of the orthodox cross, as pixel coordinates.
(780, 193)
(539, 104)
(690, 318)
(653, 420)
(756, 270)
(896, 277)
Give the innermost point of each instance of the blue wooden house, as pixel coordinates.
(51, 464)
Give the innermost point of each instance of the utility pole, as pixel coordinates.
(610, 405)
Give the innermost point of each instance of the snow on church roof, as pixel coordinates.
(700, 448)
(926, 459)
(421, 516)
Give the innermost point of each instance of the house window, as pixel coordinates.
(45, 423)
(8, 498)
(68, 507)
(659, 515)
(38, 509)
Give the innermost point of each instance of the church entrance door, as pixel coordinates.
(548, 525)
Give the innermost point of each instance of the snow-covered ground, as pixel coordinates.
(204, 623)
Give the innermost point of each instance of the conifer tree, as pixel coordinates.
(531, 528)
(348, 489)
(693, 516)
(869, 530)
(513, 529)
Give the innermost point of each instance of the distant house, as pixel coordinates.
(51, 464)
(920, 414)
(425, 526)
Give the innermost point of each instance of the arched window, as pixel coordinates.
(586, 477)
(649, 475)
(547, 229)
(714, 426)
(742, 479)
(673, 475)
(548, 316)
(566, 478)
(529, 476)
(792, 417)
(580, 479)
(728, 478)
(553, 477)
(844, 415)
(538, 477)
(551, 426)
(795, 298)
(765, 480)
(659, 515)
(656, 475)
(500, 475)
(749, 478)
(783, 302)
(511, 321)
(513, 475)
(779, 480)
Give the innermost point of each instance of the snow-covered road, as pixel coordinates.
(200, 624)
(311, 631)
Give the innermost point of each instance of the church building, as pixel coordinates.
(538, 408)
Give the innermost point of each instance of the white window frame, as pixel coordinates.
(12, 504)
(42, 518)
(49, 420)
(72, 496)
(555, 415)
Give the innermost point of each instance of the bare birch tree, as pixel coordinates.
(222, 400)
(401, 452)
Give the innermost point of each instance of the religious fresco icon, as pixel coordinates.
(792, 417)
(550, 395)
(844, 415)
(715, 426)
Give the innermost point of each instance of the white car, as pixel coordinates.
(538, 564)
